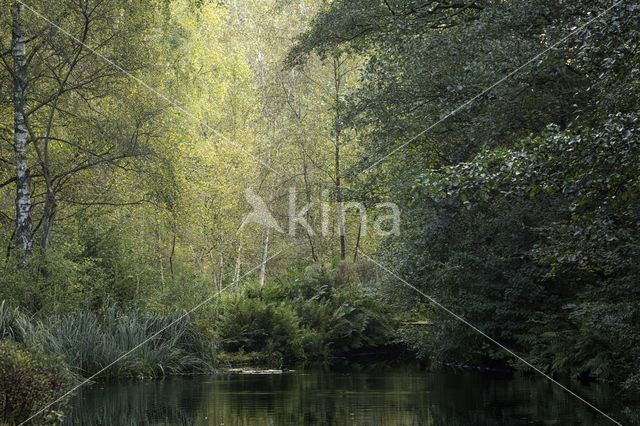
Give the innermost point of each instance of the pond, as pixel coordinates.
(358, 395)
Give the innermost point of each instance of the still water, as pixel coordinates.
(357, 395)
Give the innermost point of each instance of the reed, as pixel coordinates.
(88, 342)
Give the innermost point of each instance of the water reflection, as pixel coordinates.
(401, 395)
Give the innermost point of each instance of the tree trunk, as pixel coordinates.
(355, 251)
(338, 130)
(48, 218)
(265, 253)
(220, 273)
(24, 233)
(236, 275)
(343, 249)
(162, 273)
(307, 189)
(173, 251)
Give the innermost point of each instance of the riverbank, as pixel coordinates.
(311, 317)
(308, 317)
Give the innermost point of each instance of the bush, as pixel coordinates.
(27, 381)
(255, 325)
(61, 281)
(342, 312)
(313, 314)
(359, 321)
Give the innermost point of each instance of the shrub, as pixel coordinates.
(255, 325)
(27, 381)
(311, 314)
(61, 281)
(359, 321)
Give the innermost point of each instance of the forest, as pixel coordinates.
(187, 185)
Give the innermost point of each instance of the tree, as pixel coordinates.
(72, 85)
(23, 230)
(508, 222)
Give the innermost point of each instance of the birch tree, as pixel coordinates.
(23, 231)
(76, 121)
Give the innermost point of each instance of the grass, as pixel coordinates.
(88, 342)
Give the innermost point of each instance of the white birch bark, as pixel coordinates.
(24, 233)
(265, 251)
(236, 275)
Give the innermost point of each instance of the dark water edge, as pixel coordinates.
(377, 394)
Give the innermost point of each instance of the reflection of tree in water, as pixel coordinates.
(464, 398)
(168, 401)
(361, 395)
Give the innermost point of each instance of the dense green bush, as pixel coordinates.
(27, 381)
(312, 314)
(537, 245)
(255, 325)
(359, 321)
(61, 281)
(348, 316)
(97, 269)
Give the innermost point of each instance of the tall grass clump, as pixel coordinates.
(89, 342)
(17, 326)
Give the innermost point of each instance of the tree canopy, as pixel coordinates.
(135, 137)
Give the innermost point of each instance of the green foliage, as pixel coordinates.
(523, 214)
(98, 270)
(594, 172)
(310, 314)
(253, 325)
(28, 380)
(61, 281)
(583, 241)
(425, 59)
(345, 313)
(89, 342)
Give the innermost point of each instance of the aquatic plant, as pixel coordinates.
(89, 342)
